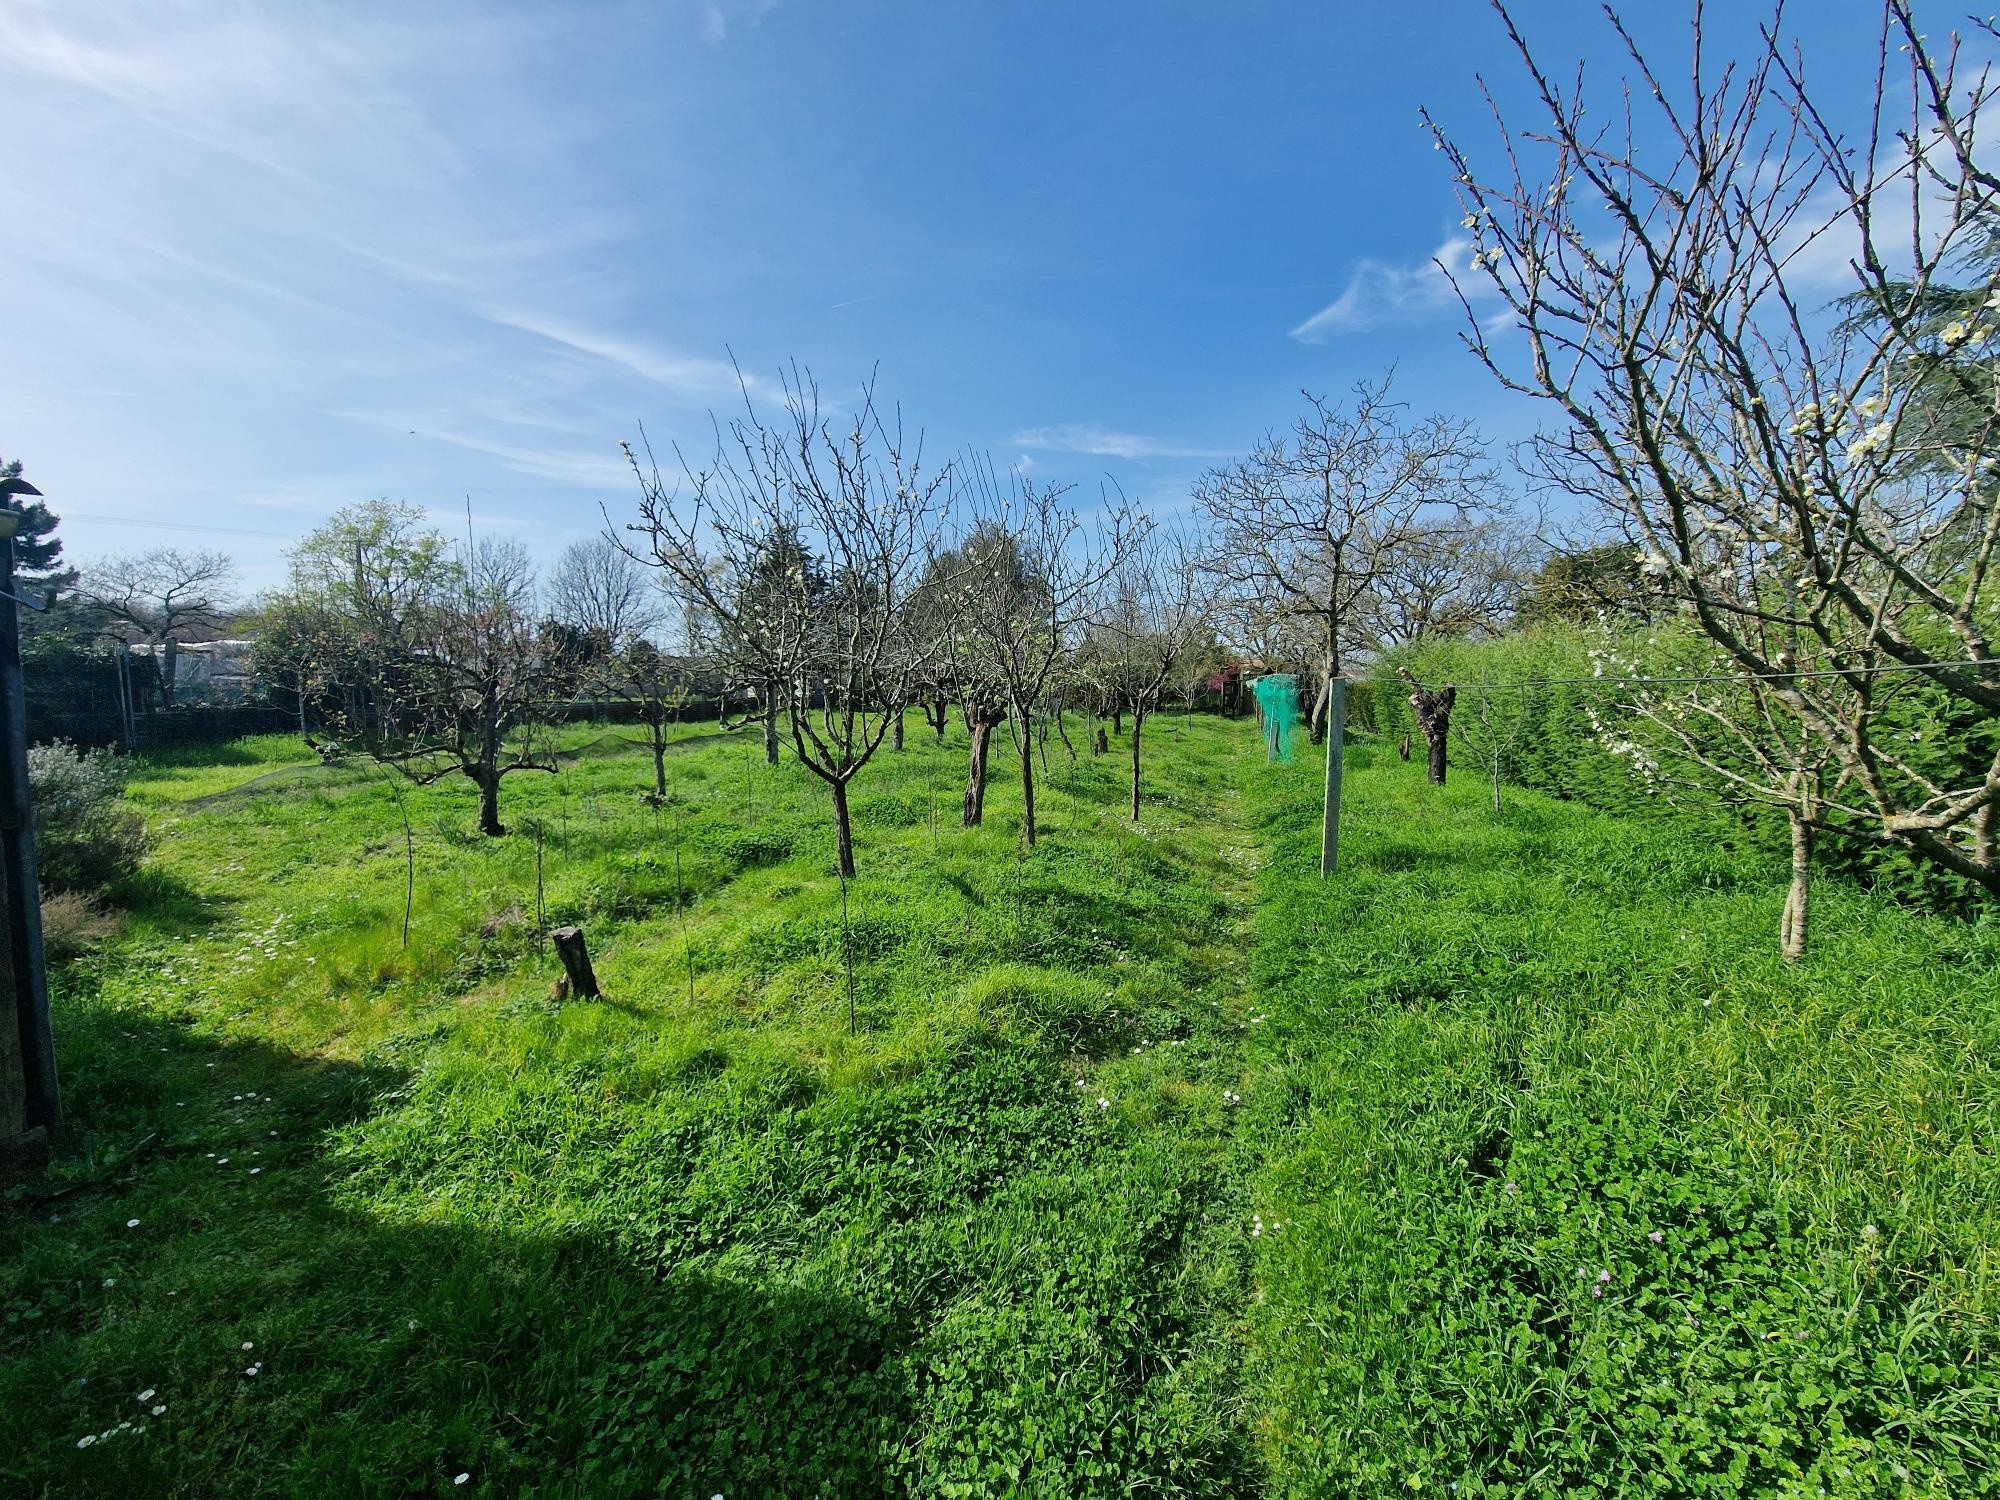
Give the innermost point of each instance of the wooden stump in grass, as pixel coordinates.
(575, 958)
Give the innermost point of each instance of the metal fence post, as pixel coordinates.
(1336, 739)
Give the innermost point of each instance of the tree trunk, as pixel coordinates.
(487, 779)
(1434, 719)
(1138, 725)
(1117, 718)
(770, 722)
(1028, 789)
(1792, 926)
(1101, 745)
(843, 830)
(1439, 747)
(897, 742)
(659, 761)
(575, 956)
(1062, 729)
(938, 716)
(981, 725)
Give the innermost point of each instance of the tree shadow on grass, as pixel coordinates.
(205, 1240)
(1392, 855)
(964, 887)
(160, 896)
(186, 757)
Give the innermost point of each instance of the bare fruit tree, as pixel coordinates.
(159, 597)
(432, 663)
(826, 620)
(1018, 590)
(1311, 523)
(596, 585)
(656, 686)
(1676, 268)
(1450, 583)
(1694, 732)
(1159, 615)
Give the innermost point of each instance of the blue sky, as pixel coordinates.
(263, 261)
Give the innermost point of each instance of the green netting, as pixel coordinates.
(1278, 706)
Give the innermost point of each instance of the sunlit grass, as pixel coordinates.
(1588, 1191)
(1118, 1184)
(698, 1234)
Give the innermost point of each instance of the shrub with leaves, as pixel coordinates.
(85, 836)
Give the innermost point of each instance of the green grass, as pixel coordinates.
(665, 1242)
(697, 1238)
(1584, 1191)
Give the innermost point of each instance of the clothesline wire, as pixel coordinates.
(1524, 684)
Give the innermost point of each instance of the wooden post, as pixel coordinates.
(30, 1111)
(576, 962)
(1336, 739)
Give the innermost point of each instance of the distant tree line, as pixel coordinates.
(1788, 513)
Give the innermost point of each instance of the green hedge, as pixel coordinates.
(1549, 743)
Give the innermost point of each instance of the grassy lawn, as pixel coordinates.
(696, 1237)
(365, 1217)
(1585, 1191)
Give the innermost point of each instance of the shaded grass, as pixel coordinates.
(670, 1242)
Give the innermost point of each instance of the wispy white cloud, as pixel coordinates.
(568, 466)
(1380, 292)
(717, 17)
(1103, 442)
(519, 449)
(689, 375)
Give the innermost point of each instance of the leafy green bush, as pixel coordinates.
(85, 837)
(1553, 735)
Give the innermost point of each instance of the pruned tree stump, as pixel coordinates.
(575, 956)
(1433, 707)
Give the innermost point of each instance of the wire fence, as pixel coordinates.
(84, 719)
